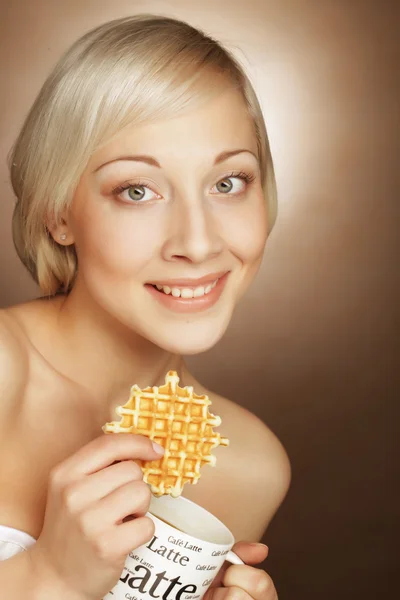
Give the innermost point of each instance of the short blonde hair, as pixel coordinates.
(121, 73)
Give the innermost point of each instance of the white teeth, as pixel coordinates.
(199, 291)
(187, 292)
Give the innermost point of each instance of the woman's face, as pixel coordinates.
(192, 221)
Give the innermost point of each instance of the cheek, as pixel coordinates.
(246, 231)
(114, 242)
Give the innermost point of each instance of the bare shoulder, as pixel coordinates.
(262, 467)
(13, 361)
(252, 476)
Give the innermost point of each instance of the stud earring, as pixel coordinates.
(63, 237)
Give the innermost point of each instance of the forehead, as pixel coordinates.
(222, 123)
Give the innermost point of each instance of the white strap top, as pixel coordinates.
(13, 541)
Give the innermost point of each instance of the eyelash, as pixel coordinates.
(237, 174)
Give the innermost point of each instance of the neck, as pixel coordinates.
(105, 357)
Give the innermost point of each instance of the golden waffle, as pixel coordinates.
(177, 419)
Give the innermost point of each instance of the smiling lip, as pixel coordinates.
(189, 283)
(190, 305)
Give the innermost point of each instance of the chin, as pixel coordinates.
(190, 338)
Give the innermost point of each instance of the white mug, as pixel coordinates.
(183, 557)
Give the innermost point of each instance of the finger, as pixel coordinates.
(233, 593)
(130, 499)
(257, 583)
(81, 494)
(251, 553)
(103, 452)
(217, 581)
(128, 536)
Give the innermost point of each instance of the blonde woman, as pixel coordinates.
(145, 194)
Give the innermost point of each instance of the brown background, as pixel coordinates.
(312, 347)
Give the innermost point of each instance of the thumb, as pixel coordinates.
(251, 553)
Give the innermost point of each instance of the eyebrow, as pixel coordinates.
(150, 160)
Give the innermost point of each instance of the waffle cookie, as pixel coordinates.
(177, 419)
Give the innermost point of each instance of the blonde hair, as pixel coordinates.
(121, 73)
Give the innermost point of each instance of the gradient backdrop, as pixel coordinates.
(312, 347)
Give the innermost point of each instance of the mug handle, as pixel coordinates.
(233, 558)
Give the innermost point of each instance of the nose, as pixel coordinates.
(194, 234)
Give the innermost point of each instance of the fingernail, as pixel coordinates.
(259, 544)
(157, 448)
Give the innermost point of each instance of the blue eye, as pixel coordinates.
(226, 185)
(136, 192)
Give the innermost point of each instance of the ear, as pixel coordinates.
(59, 230)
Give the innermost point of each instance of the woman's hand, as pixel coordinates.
(242, 582)
(84, 542)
